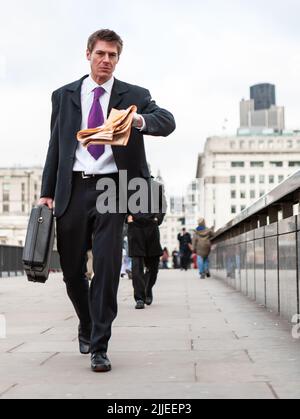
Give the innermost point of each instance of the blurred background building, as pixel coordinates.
(19, 192)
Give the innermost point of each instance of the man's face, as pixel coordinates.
(103, 59)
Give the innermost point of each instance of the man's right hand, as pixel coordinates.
(46, 201)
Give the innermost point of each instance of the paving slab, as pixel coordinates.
(199, 340)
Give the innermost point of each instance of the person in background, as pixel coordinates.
(175, 257)
(145, 249)
(185, 246)
(202, 247)
(126, 262)
(165, 259)
(195, 260)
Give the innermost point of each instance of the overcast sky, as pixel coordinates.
(198, 59)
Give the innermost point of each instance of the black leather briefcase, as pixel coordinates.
(39, 244)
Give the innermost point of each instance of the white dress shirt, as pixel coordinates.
(84, 162)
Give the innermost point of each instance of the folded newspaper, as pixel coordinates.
(115, 131)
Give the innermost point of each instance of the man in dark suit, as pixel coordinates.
(145, 249)
(70, 177)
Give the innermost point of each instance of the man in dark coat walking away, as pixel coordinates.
(185, 249)
(145, 250)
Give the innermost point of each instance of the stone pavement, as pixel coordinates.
(200, 339)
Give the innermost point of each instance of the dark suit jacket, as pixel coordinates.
(66, 122)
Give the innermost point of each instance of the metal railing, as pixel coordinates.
(258, 253)
(11, 261)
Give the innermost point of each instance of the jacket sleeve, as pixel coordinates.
(51, 165)
(159, 121)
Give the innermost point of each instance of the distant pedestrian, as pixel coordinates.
(185, 246)
(145, 250)
(175, 259)
(165, 259)
(202, 247)
(195, 260)
(126, 261)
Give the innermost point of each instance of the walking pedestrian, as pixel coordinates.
(202, 247)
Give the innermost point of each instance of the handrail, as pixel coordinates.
(282, 197)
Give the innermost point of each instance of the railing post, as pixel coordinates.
(287, 209)
(263, 220)
(273, 214)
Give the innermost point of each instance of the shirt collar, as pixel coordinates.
(90, 85)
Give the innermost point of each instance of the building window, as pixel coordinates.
(280, 178)
(252, 179)
(232, 179)
(242, 144)
(271, 144)
(233, 209)
(276, 164)
(5, 196)
(294, 164)
(243, 195)
(257, 164)
(252, 194)
(23, 187)
(237, 164)
(271, 179)
(243, 179)
(233, 194)
(243, 207)
(261, 193)
(23, 208)
(261, 144)
(5, 208)
(262, 179)
(290, 144)
(232, 144)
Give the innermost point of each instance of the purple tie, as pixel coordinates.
(96, 119)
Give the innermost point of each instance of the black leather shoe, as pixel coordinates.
(208, 274)
(140, 305)
(149, 298)
(100, 362)
(84, 341)
(84, 346)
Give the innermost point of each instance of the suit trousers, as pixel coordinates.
(80, 229)
(142, 281)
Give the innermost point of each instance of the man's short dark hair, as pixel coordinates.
(105, 35)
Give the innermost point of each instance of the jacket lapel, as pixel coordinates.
(75, 90)
(118, 90)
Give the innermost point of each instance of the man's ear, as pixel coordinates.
(88, 55)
